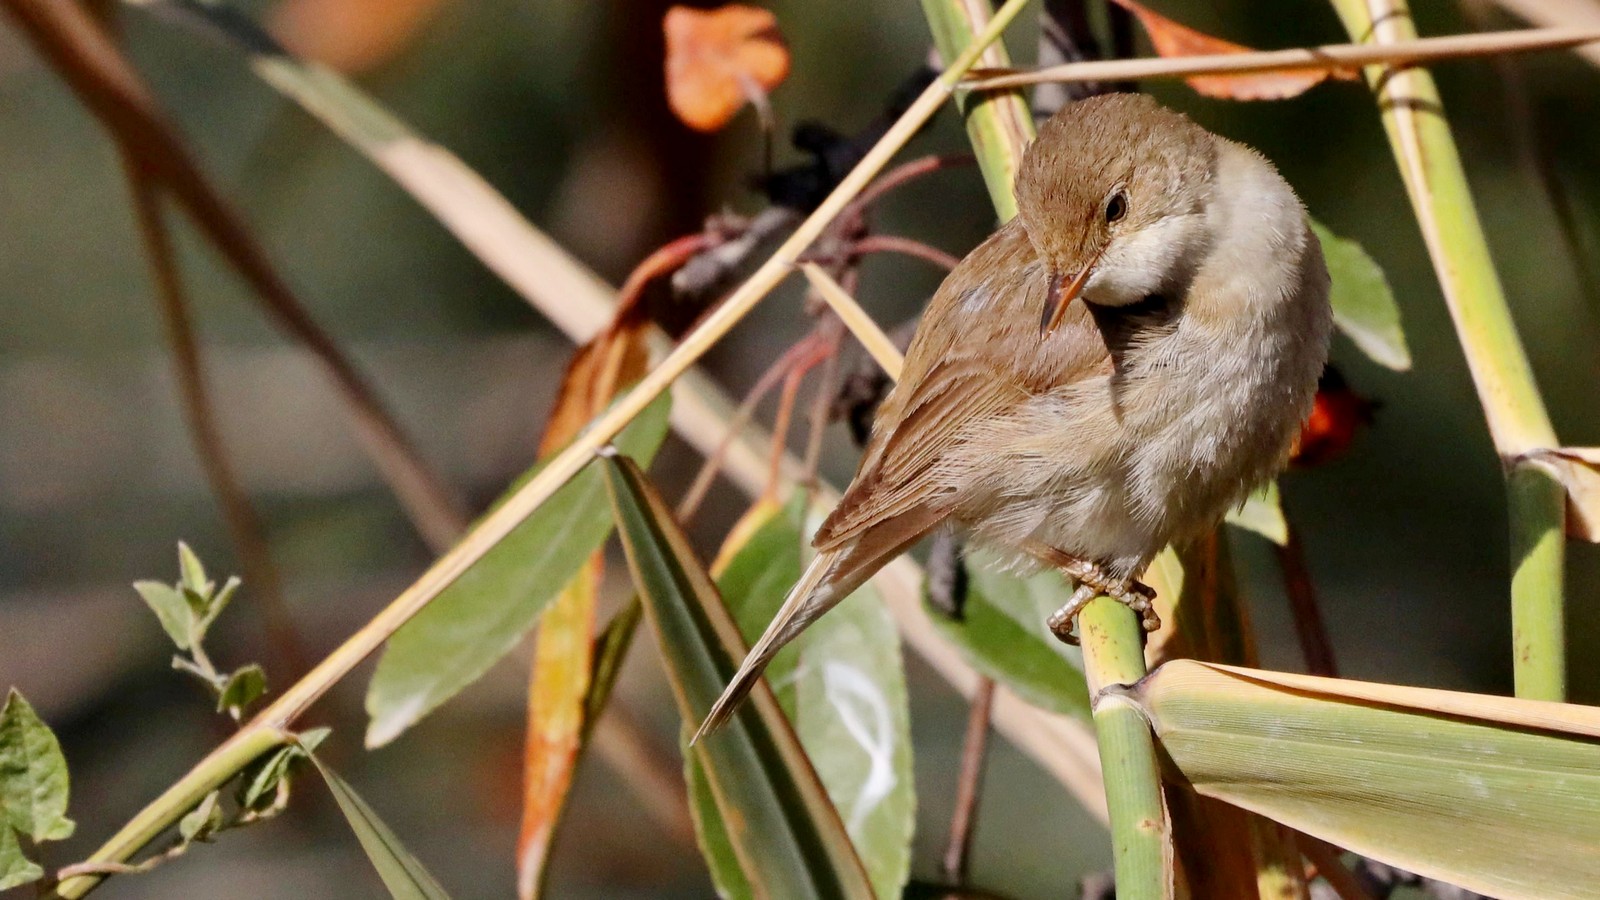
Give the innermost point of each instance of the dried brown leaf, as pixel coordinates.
(1175, 39)
(718, 59)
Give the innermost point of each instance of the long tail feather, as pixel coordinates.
(819, 589)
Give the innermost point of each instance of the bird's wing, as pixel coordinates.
(977, 357)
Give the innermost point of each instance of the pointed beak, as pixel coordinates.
(1063, 290)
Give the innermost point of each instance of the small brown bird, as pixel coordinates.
(1110, 371)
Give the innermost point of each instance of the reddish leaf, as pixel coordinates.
(564, 647)
(719, 59)
(1336, 417)
(1173, 39)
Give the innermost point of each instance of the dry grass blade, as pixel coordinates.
(1326, 58)
(109, 86)
(856, 319)
(1579, 470)
(1375, 768)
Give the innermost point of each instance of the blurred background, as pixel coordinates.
(560, 105)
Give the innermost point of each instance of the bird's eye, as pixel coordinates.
(1116, 207)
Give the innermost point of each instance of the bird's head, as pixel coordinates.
(1113, 196)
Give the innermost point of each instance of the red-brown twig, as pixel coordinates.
(665, 260)
(690, 504)
(895, 178)
(889, 243)
(964, 818)
(1308, 625)
(109, 86)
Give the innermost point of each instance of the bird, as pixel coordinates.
(1111, 371)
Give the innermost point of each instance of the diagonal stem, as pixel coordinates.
(294, 701)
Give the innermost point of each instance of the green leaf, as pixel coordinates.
(1003, 635)
(789, 840)
(171, 610)
(842, 685)
(485, 613)
(1262, 513)
(243, 688)
(1495, 794)
(15, 869)
(33, 774)
(610, 648)
(202, 821)
(217, 604)
(260, 780)
(402, 873)
(1363, 305)
(192, 572)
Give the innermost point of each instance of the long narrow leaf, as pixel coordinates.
(1498, 795)
(480, 617)
(842, 685)
(785, 833)
(402, 873)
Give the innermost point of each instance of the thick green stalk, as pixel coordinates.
(1518, 423)
(1538, 557)
(999, 127)
(998, 122)
(1113, 654)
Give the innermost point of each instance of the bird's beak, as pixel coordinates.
(1063, 290)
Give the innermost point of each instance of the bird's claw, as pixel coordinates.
(1136, 595)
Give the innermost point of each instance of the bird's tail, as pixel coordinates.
(829, 579)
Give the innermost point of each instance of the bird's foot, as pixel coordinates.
(1092, 583)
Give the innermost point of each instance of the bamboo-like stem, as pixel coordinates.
(1306, 59)
(1140, 829)
(1431, 168)
(998, 124)
(1538, 557)
(294, 701)
(1113, 645)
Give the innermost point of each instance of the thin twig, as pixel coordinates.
(964, 819)
(1330, 57)
(239, 514)
(896, 178)
(771, 378)
(1308, 625)
(822, 402)
(108, 85)
(892, 243)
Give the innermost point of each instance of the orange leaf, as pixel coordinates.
(1173, 39)
(564, 647)
(563, 654)
(718, 59)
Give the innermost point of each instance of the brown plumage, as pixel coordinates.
(1109, 372)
